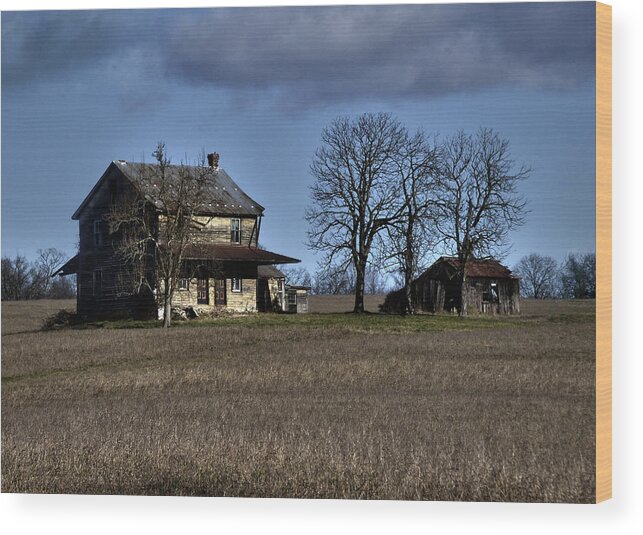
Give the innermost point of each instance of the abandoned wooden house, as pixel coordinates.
(224, 266)
(491, 288)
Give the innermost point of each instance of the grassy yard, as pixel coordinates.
(324, 405)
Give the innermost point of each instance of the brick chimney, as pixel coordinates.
(213, 160)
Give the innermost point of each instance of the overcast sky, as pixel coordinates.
(83, 88)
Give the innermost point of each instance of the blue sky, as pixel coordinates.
(83, 88)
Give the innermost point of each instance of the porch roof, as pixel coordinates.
(236, 253)
(68, 268)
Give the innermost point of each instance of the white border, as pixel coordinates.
(623, 514)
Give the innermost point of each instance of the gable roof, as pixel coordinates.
(487, 268)
(222, 195)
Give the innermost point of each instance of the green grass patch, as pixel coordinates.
(346, 322)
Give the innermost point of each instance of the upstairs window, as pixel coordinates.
(98, 282)
(184, 284)
(98, 234)
(236, 284)
(235, 230)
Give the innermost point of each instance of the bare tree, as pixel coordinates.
(15, 278)
(478, 200)
(329, 280)
(22, 279)
(48, 261)
(153, 236)
(409, 238)
(578, 276)
(375, 282)
(539, 276)
(354, 192)
(297, 276)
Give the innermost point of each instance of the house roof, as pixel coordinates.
(269, 272)
(222, 195)
(235, 253)
(68, 268)
(224, 253)
(488, 268)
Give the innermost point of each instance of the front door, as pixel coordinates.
(202, 293)
(219, 292)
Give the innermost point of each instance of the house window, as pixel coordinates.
(236, 284)
(184, 284)
(280, 285)
(98, 235)
(98, 282)
(235, 230)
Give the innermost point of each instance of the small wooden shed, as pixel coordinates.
(297, 297)
(491, 288)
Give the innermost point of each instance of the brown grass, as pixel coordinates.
(470, 412)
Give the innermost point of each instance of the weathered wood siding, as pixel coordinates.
(218, 229)
(114, 297)
(433, 295)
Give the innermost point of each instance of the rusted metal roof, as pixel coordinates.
(222, 195)
(68, 268)
(235, 253)
(487, 268)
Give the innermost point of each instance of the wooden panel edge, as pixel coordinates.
(603, 252)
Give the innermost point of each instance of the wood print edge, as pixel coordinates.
(603, 252)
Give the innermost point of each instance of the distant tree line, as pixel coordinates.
(22, 279)
(336, 282)
(542, 277)
(384, 196)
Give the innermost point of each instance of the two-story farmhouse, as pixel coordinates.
(222, 260)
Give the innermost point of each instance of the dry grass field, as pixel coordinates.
(324, 405)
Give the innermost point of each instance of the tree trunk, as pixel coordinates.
(463, 295)
(167, 304)
(359, 289)
(409, 306)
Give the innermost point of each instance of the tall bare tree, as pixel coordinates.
(578, 276)
(539, 276)
(48, 261)
(16, 278)
(478, 199)
(354, 192)
(153, 236)
(409, 238)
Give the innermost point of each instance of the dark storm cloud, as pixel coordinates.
(315, 54)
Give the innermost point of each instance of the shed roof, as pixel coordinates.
(222, 195)
(487, 268)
